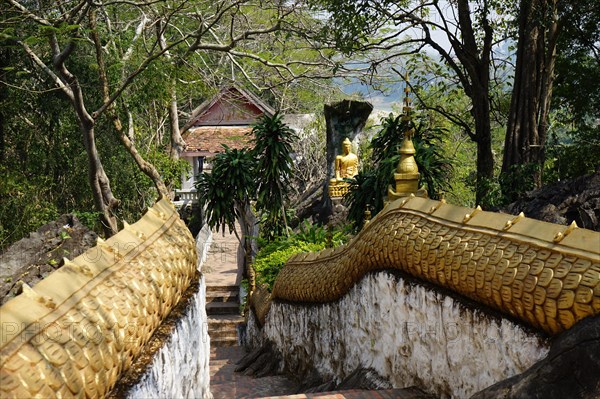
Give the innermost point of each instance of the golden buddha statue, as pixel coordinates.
(346, 167)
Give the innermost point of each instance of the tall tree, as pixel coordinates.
(527, 129)
(387, 29)
(118, 42)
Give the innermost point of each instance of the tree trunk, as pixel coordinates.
(104, 200)
(146, 167)
(527, 126)
(177, 143)
(474, 75)
(249, 226)
(485, 156)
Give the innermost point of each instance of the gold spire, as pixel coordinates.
(406, 107)
(407, 173)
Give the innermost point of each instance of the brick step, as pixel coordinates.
(223, 334)
(402, 393)
(229, 288)
(222, 296)
(222, 308)
(220, 342)
(222, 328)
(225, 319)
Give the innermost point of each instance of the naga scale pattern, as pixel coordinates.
(545, 274)
(79, 329)
(260, 303)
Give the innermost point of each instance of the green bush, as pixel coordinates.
(274, 254)
(269, 263)
(25, 205)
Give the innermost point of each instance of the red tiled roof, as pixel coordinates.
(230, 106)
(210, 138)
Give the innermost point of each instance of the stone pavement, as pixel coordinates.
(220, 268)
(225, 383)
(220, 271)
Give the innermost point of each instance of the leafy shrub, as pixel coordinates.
(270, 261)
(89, 219)
(25, 205)
(275, 253)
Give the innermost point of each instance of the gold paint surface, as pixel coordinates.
(518, 270)
(106, 304)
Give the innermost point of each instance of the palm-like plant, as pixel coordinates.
(273, 141)
(225, 193)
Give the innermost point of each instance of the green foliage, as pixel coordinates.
(369, 187)
(269, 263)
(272, 149)
(434, 166)
(39, 134)
(25, 205)
(573, 153)
(574, 142)
(493, 198)
(225, 191)
(88, 219)
(509, 187)
(517, 182)
(316, 234)
(170, 170)
(275, 253)
(238, 175)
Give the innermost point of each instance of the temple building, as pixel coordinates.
(226, 118)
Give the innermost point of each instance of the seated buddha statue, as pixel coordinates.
(346, 167)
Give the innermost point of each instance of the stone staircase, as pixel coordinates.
(223, 311)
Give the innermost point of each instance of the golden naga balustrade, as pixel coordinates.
(78, 330)
(545, 274)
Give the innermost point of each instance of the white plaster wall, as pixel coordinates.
(407, 333)
(187, 181)
(180, 368)
(204, 240)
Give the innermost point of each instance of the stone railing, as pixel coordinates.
(187, 195)
(77, 331)
(544, 274)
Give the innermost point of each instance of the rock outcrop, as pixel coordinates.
(564, 202)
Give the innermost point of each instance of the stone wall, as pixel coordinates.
(478, 292)
(77, 331)
(410, 334)
(180, 368)
(544, 274)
